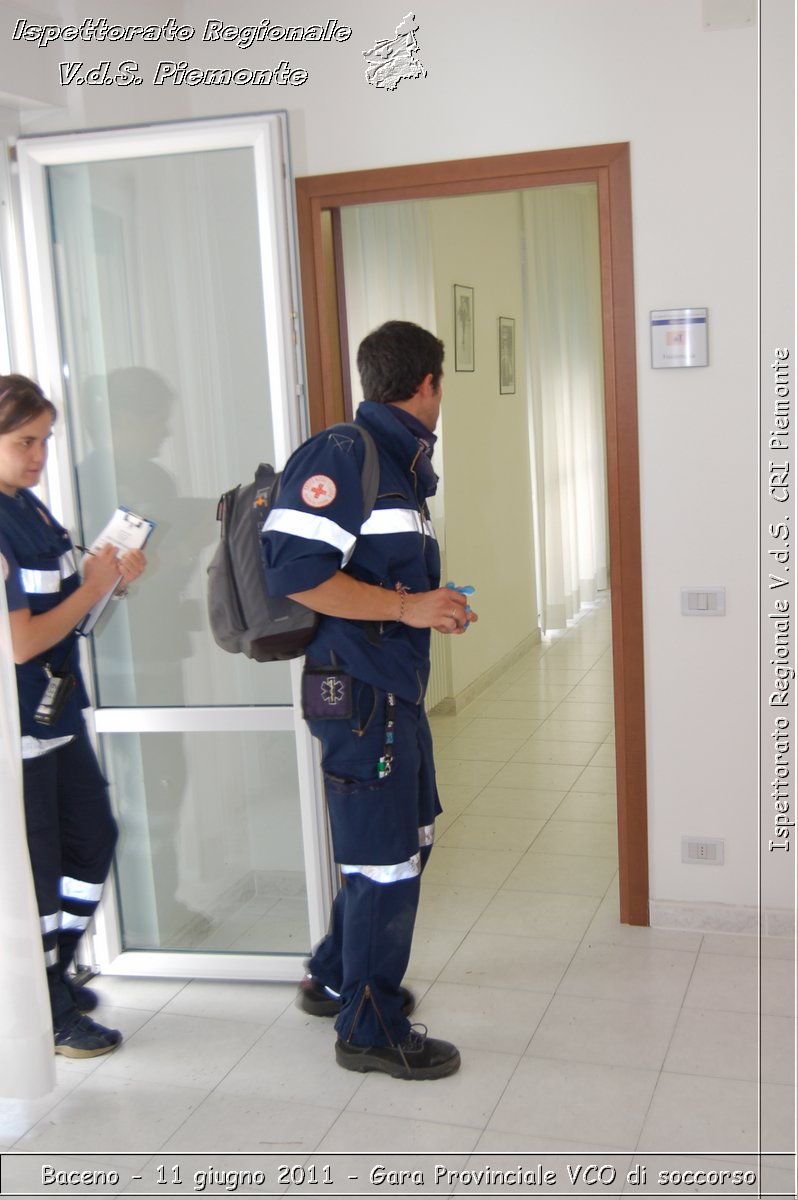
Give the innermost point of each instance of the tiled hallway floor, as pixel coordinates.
(576, 1033)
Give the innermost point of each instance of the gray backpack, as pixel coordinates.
(244, 618)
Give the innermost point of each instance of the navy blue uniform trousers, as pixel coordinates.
(71, 838)
(382, 835)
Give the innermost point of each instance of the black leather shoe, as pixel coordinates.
(417, 1057)
(314, 998)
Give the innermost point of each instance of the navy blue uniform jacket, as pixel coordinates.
(40, 555)
(316, 529)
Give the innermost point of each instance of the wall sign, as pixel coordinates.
(679, 337)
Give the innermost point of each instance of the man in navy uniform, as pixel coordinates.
(376, 584)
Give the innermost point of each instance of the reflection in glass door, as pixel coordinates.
(167, 299)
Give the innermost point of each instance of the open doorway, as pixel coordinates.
(320, 198)
(523, 456)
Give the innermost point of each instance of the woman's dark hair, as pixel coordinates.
(394, 360)
(21, 400)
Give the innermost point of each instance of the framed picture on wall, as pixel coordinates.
(463, 328)
(506, 356)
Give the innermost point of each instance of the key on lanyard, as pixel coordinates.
(385, 763)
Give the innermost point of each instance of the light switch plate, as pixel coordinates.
(703, 601)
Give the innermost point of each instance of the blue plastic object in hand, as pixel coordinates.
(465, 590)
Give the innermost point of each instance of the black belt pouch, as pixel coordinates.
(326, 694)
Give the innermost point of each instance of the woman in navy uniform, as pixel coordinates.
(70, 828)
(377, 585)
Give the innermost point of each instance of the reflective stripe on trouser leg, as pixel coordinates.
(392, 873)
(71, 835)
(379, 916)
(378, 829)
(378, 921)
(325, 962)
(79, 900)
(49, 925)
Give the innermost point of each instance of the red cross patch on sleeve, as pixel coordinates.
(318, 491)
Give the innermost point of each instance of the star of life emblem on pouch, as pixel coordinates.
(319, 491)
(332, 690)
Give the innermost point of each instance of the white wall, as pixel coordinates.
(551, 73)
(489, 540)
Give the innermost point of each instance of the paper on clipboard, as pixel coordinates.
(126, 530)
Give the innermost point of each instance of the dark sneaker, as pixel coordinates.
(80, 1037)
(314, 998)
(84, 999)
(417, 1057)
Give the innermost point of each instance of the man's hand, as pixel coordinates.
(342, 596)
(443, 610)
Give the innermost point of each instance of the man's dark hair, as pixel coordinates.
(394, 360)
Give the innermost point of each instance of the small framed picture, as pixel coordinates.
(463, 328)
(506, 356)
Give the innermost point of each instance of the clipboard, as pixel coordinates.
(127, 531)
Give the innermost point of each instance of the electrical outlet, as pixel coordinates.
(708, 852)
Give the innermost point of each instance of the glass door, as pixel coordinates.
(163, 286)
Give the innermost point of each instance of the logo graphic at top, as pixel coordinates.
(319, 491)
(390, 60)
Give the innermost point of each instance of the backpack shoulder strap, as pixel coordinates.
(264, 477)
(370, 473)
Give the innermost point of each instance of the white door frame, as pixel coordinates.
(267, 136)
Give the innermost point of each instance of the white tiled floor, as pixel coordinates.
(575, 1032)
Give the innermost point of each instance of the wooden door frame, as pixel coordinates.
(608, 167)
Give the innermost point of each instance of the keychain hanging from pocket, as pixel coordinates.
(385, 764)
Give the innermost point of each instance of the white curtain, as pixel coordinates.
(387, 271)
(27, 1061)
(389, 275)
(565, 365)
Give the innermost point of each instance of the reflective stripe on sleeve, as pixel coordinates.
(45, 583)
(393, 873)
(396, 520)
(426, 834)
(78, 889)
(40, 583)
(311, 527)
(67, 565)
